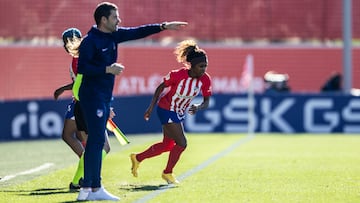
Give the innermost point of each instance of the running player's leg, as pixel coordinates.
(175, 131)
(156, 149)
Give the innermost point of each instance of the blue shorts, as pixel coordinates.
(167, 116)
(70, 111)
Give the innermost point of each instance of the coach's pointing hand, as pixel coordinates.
(115, 68)
(173, 25)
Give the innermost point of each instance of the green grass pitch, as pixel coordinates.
(214, 168)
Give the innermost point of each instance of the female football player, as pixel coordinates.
(184, 84)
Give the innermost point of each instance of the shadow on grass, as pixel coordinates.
(134, 188)
(41, 191)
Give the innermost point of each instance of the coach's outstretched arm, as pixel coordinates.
(173, 25)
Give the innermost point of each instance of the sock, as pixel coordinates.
(156, 149)
(103, 154)
(80, 169)
(174, 157)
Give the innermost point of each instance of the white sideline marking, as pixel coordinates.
(192, 171)
(33, 170)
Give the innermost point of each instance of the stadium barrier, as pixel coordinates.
(280, 113)
(41, 70)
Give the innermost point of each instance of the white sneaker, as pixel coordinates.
(102, 194)
(83, 194)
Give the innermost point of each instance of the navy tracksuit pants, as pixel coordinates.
(96, 114)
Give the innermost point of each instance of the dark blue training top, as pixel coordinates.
(98, 50)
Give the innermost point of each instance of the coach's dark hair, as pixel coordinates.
(187, 51)
(103, 9)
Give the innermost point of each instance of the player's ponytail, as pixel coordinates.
(185, 49)
(188, 51)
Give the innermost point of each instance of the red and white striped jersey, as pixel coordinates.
(73, 68)
(183, 89)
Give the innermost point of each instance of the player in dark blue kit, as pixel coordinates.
(94, 84)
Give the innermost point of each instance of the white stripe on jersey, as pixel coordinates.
(189, 91)
(175, 96)
(181, 101)
(186, 90)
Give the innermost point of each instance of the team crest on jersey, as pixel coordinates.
(100, 113)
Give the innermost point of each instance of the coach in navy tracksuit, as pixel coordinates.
(97, 68)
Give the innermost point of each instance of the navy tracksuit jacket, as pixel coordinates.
(98, 50)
